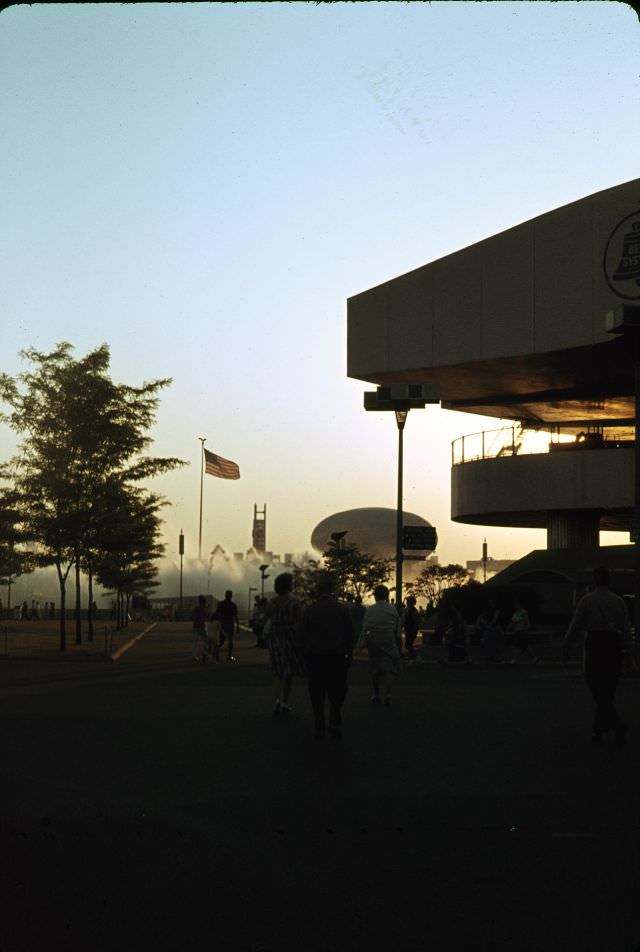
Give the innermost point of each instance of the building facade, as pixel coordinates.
(518, 327)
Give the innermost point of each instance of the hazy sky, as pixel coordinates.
(202, 186)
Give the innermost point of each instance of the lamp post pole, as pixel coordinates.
(401, 419)
(203, 440)
(263, 576)
(181, 551)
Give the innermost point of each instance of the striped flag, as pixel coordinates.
(215, 465)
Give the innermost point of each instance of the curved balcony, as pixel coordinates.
(570, 483)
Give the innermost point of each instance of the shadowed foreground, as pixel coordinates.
(155, 803)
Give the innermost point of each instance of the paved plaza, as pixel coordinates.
(154, 803)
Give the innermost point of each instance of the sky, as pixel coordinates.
(202, 187)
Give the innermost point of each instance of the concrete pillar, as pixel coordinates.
(573, 528)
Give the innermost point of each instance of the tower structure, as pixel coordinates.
(259, 533)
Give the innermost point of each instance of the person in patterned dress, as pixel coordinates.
(282, 625)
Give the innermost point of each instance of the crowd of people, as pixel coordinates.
(317, 642)
(26, 612)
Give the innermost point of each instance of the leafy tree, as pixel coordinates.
(80, 431)
(124, 560)
(15, 560)
(357, 572)
(435, 579)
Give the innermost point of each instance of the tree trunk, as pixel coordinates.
(126, 610)
(62, 579)
(90, 595)
(78, 619)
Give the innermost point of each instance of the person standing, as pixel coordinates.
(286, 660)
(381, 635)
(604, 617)
(326, 639)
(411, 623)
(227, 615)
(520, 626)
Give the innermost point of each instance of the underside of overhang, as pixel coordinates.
(611, 520)
(575, 386)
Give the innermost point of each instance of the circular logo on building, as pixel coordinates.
(622, 258)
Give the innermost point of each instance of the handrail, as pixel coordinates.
(519, 440)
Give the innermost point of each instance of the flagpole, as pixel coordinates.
(203, 440)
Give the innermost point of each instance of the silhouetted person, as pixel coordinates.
(381, 635)
(326, 639)
(411, 624)
(227, 615)
(520, 626)
(603, 616)
(455, 636)
(356, 610)
(284, 614)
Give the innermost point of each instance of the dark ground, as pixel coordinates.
(157, 804)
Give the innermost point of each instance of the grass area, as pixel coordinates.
(41, 639)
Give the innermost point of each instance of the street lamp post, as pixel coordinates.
(401, 398)
(263, 576)
(401, 419)
(181, 551)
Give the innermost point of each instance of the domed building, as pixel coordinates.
(372, 529)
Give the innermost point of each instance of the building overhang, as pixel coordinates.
(511, 327)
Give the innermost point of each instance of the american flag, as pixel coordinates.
(217, 466)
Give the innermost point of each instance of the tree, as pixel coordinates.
(15, 560)
(435, 579)
(125, 559)
(357, 572)
(80, 431)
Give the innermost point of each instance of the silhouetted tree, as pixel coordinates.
(356, 572)
(80, 431)
(435, 579)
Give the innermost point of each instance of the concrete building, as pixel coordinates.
(515, 327)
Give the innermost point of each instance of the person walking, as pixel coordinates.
(286, 660)
(520, 627)
(326, 640)
(381, 636)
(604, 617)
(227, 615)
(200, 617)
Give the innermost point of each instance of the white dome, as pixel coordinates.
(373, 530)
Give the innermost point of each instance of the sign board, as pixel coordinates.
(622, 258)
(419, 537)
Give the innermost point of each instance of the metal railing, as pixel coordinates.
(517, 440)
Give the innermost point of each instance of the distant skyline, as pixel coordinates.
(202, 187)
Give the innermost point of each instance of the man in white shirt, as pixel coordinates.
(603, 616)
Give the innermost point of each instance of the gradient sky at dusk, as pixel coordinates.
(202, 186)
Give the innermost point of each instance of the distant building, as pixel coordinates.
(477, 566)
